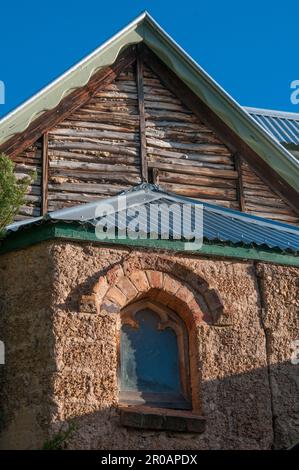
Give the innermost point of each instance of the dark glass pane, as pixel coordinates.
(149, 357)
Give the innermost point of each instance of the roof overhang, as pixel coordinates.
(224, 232)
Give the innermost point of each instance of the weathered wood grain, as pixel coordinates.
(141, 109)
(45, 174)
(94, 153)
(261, 200)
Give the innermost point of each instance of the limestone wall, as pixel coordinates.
(26, 289)
(241, 317)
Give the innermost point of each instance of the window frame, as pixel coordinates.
(168, 319)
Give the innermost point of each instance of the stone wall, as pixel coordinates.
(241, 318)
(280, 318)
(26, 319)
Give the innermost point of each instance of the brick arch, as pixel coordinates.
(152, 277)
(157, 286)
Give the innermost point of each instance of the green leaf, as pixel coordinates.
(12, 192)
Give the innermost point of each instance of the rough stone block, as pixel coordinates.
(139, 279)
(126, 286)
(88, 304)
(116, 296)
(155, 279)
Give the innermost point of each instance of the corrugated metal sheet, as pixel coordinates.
(219, 224)
(284, 127)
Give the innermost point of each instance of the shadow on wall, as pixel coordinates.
(240, 413)
(39, 395)
(61, 365)
(26, 382)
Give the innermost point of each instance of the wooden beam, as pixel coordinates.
(45, 173)
(153, 175)
(233, 141)
(156, 176)
(240, 189)
(140, 91)
(69, 104)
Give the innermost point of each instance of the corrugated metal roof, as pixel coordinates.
(219, 224)
(284, 127)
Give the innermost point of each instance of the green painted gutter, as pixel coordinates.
(77, 232)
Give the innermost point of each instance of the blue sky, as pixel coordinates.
(250, 48)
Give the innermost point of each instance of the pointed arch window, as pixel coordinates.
(154, 357)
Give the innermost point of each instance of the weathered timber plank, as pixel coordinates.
(45, 174)
(96, 157)
(84, 166)
(96, 125)
(115, 95)
(198, 191)
(197, 159)
(143, 151)
(94, 177)
(109, 190)
(185, 135)
(196, 180)
(197, 147)
(240, 187)
(131, 120)
(179, 126)
(164, 106)
(88, 188)
(95, 133)
(99, 146)
(29, 211)
(179, 166)
(266, 201)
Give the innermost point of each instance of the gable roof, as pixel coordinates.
(218, 224)
(282, 126)
(145, 29)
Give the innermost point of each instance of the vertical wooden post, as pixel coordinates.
(140, 91)
(45, 170)
(240, 189)
(155, 176)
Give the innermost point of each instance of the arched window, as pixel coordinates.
(154, 359)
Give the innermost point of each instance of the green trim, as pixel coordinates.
(144, 28)
(27, 237)
(77, 232)
(294, 149)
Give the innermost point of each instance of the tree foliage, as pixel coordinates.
(12, 192)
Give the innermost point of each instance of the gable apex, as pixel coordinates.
(145, 29)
